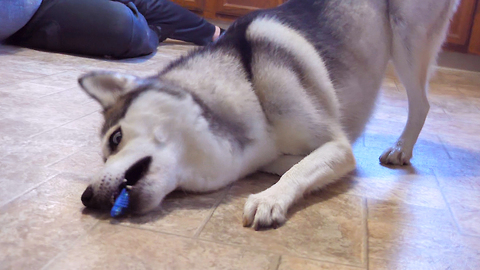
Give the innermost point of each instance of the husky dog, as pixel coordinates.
(284, 91)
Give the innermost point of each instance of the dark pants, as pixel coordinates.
(119, 29)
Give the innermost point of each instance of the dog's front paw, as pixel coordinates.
(264, 210)
(396, 155)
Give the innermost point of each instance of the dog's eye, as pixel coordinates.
(115, 139)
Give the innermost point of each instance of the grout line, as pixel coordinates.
(66, 157)
(54, 74)
(275, 264)
(207, 219)
(251, 248)
(61, 125)
(432, 172)
(452, 216)
(444, 148)
(254, 248)
(30, 189)
(54, 93)
(69, 247)
(138, 227)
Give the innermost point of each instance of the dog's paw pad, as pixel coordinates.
(263, 212)
(396, 156)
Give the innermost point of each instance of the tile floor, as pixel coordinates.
(425, 216)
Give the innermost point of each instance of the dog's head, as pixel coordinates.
(141, 138)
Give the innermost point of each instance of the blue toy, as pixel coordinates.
(121, 203)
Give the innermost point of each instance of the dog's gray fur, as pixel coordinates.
(284, 90)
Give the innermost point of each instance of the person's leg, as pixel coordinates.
(89, 27)
(176, 21)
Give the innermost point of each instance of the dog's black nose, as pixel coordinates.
(87, 196)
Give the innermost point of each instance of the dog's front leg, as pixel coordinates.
(282, 164)
(329, 162)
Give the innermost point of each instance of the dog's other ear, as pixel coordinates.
(106, 87)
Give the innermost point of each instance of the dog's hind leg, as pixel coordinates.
(415, 44)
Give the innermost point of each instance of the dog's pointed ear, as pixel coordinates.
(106, 87)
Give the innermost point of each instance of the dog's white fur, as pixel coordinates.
(298, 127)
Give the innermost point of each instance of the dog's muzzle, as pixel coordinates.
(132, 176)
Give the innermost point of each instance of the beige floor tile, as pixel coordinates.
(49, 148)
(322, 226)
(390, 72)
(460, 172)
(390, 96)
(465, 205)
(19, 75)
(412, 215)
(69, 135)
(294, 263)
(463, 135)
(415, 185)
(385, 127)
(390, 80)
(456, 104)
(88, 161)
(466, 78)
(90, 124)
(394, 190)
(470, 90)
(12, 102)
(65, 188)
(66, 80)
(389, 129)
(28, 90)
(461, 142)
(454, 77)
(30, 153)
(35, 230)
(465, 118)
(16, 180)
(13, 63)
(446, 91)
(73, 95)
(118, 247)
(180, 213)
(390, 113)
(43, 112)
(397, 97)
(12, 128)
(468, 219)
(380, 264)
(397, 246)
(417, 174)
(428, 151)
